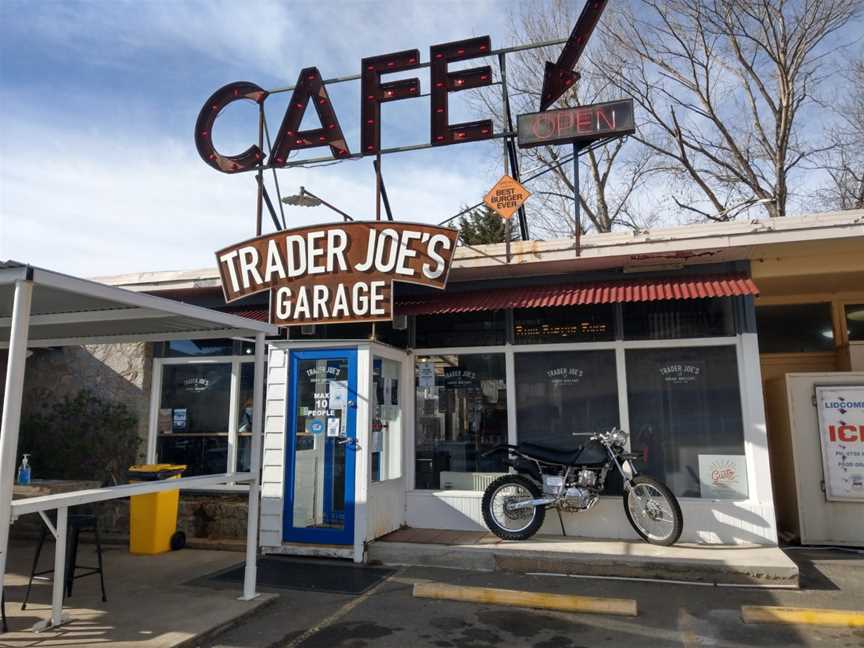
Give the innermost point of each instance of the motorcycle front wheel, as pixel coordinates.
(506, 522)
(653, 511)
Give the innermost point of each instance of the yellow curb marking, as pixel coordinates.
(540, 600)
(802, 616)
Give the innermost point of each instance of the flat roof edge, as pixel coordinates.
(697, 236)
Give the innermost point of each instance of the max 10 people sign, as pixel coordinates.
(342, 272)
(841, 437)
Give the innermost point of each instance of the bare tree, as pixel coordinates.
(610, 176)
(723, 85)
(844, 163)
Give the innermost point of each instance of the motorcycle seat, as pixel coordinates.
(549, 455)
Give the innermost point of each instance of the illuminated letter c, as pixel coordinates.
(204, 128)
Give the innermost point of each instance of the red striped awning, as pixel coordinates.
(258, 314)
(607, 292)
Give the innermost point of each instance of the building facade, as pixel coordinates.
(671, 335)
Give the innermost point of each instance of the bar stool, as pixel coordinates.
(77, 522)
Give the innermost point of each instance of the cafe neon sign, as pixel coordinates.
(344, 272)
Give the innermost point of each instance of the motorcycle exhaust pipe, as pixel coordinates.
(543, 501)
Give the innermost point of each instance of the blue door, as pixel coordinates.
(321, 447)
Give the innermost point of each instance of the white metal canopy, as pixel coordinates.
(69, 310)
(41, 308)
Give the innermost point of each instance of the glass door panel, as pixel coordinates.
(319, 503)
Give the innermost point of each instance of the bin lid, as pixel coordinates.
(155, 468)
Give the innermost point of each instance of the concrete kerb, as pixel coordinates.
(534, 600)
(762, 566)
(802, 616)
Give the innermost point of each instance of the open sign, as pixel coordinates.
(583, 123)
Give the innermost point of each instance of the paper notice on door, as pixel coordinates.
(333, 427)
(338, 394)
(426, 375)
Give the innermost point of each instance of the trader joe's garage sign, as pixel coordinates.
(343, 272)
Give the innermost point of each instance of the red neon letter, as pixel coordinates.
(583, 121)
(204, 128)
(603, 116)
(841, 433)
(444, 82)
(290, 138)
(375, 93)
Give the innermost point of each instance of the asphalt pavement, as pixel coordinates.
(685, 615)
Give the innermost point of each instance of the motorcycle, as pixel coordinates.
(514, 505)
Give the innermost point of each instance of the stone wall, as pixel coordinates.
(120, 373)
(202, 516)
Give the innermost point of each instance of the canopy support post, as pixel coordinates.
(11, 421)
(59, 567)
(251, 574)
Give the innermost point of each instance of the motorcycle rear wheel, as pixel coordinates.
(653, 511)
(520, 524)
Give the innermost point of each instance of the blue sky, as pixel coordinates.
(98, 100)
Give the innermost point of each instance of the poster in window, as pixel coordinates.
(179, 422)
(333, 427)
(722, 476)
(338, 394)
(164, 420)
(426, 375)
(841, 437)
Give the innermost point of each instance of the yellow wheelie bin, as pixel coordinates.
(153, 517)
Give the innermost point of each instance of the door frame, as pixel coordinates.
(353, 453)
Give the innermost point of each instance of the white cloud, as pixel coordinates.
(95, 205)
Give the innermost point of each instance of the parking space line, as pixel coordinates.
(341, 612)
(802, 616)
(535, 600)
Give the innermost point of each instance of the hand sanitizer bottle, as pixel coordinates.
(24, 471)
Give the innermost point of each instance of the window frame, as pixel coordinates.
(236, 362)
(619, 346)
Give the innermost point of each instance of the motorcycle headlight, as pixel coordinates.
(619, 438)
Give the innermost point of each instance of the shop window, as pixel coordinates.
(484, 328)
(678, 318)
(685, 419)
(460, 413)
(193, 416)
(562, 398)
(194, 425)
(795, 328)
(198, 348)
(564, 324)
(244, 414)
(386, 434)
(855, 322)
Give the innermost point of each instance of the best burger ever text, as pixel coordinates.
(336, 273)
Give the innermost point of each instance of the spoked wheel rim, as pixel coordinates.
(509, 519)
(651, 511)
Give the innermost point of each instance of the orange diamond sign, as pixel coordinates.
(506, 196)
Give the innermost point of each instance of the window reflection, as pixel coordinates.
(386, 433)
(795, 328)
(685, 411)
(461, 411)
(678, 318)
